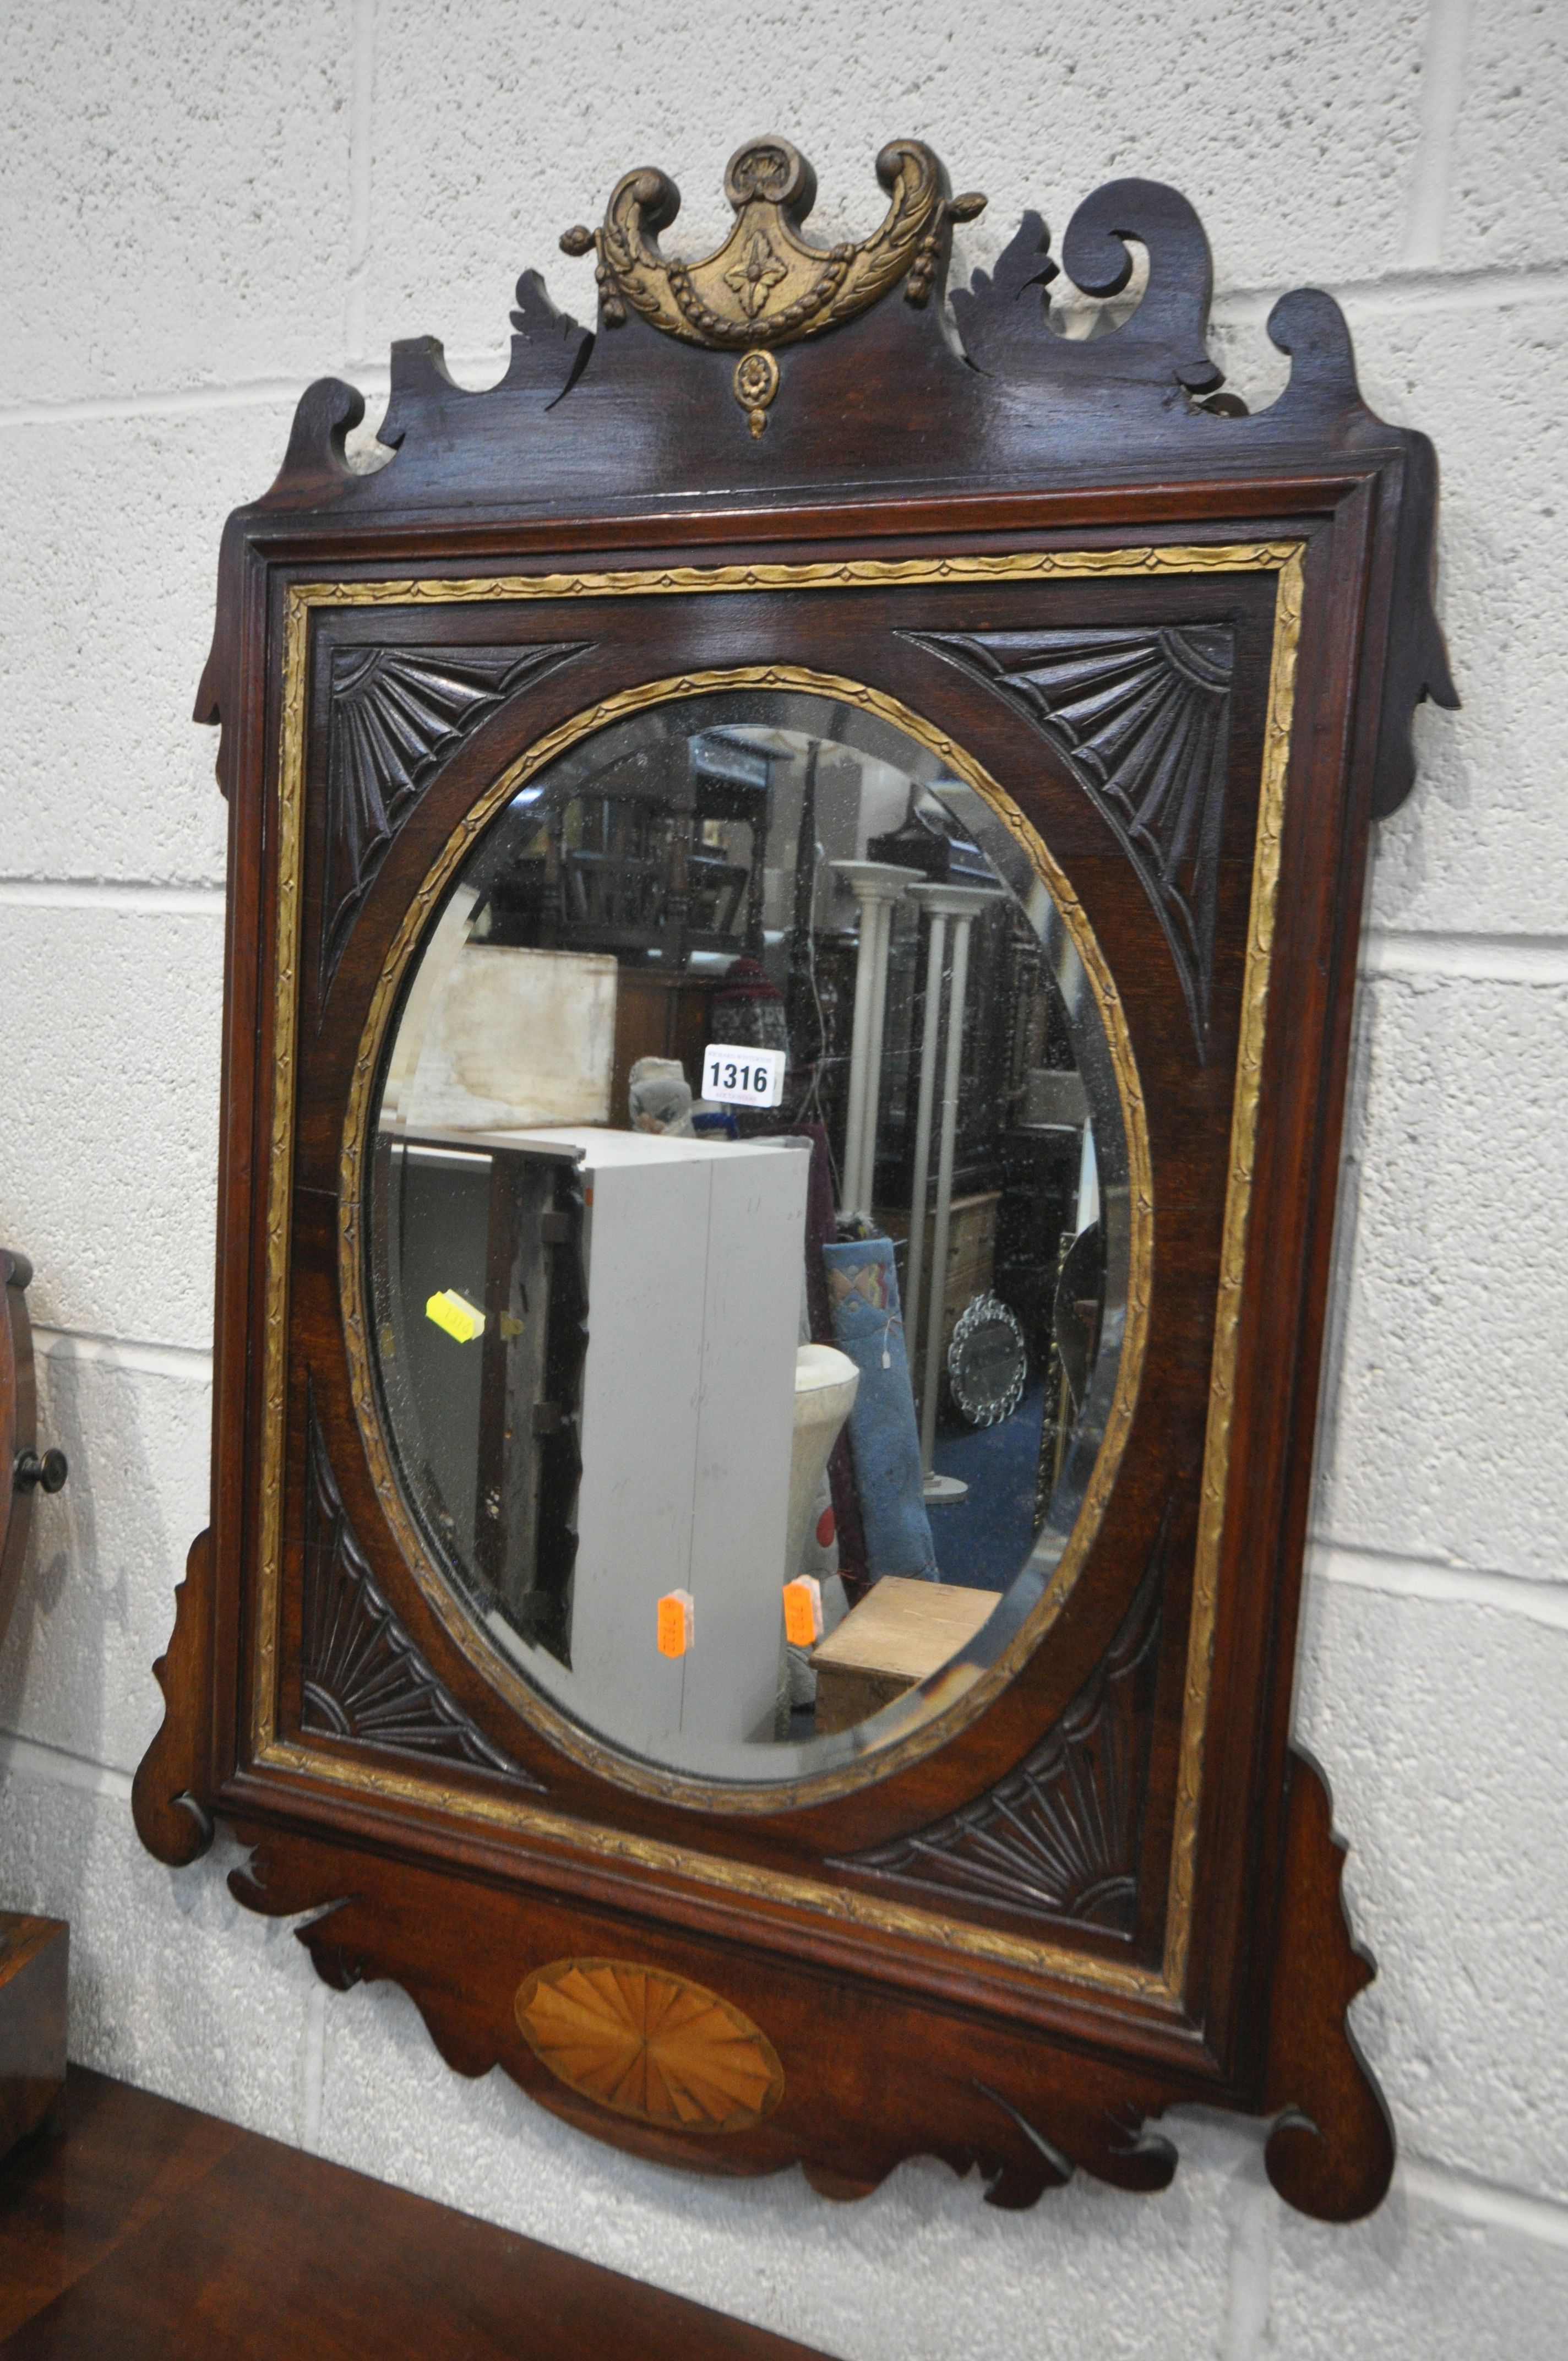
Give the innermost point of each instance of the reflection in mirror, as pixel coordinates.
(749, 1238)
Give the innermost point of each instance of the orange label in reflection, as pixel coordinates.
(674, 1623)
(803, 1611)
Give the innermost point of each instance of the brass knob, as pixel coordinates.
(32, 1473)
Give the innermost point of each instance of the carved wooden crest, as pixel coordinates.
(767, 285)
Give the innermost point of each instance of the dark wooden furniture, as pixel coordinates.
(627, 866)
(132, 2229)
(21, 1469)
(33, 1952)
(1176, 649)
(33, 1956)
(657, 1015)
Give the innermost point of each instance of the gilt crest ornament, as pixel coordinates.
(767, 285)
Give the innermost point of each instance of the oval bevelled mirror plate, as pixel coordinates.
(749, 1235)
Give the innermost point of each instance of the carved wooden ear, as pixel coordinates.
(1331, 2153)
(1311, 327)
(314, 465)
(1004, 329)
(173, 1779)
(1114, 2143)
(1174, 312)
(1418, 658)
(542, 334)
(208, 711)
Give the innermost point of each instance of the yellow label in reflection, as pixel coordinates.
(456, 1315)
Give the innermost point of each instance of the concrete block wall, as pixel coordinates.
(204, 208)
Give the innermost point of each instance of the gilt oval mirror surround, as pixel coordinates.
(794, 875)
(744, 1469)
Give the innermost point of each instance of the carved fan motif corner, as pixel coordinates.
(363, 1676)
(396, 714)
(1143, 715)
(1059, 1837)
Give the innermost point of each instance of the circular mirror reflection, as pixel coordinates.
(749, 1235)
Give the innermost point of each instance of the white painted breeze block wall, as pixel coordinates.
(204, 207)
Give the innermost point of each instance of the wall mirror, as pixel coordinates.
(794, 869)
(718, 999)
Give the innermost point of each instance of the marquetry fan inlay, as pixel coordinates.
(650, 2044)
(1143, 715)
(363, 1676)
(396, 714)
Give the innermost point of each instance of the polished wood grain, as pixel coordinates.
(33, 1955)
(32, 1951)
(991, 2025)
(134, 2229)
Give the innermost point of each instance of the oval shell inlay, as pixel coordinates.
(650, 2044)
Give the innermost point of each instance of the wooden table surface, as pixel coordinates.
(142, 2231)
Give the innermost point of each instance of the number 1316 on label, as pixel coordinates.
(742, 1077)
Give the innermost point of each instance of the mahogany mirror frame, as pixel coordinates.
(820, 471)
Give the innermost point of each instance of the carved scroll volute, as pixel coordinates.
(767, 285)
(1171, 321)
(1162, 343)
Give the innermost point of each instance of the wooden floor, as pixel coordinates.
(142, 2231)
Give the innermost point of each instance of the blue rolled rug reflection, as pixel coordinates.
(884, 1441)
